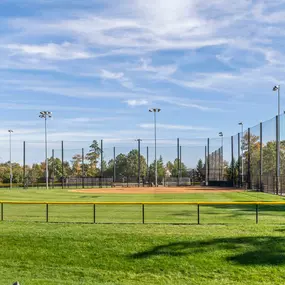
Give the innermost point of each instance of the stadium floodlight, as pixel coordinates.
(154, 111)
(11, 170)
(277, 88)
(45, 115)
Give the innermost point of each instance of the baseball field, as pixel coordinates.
(228, 247)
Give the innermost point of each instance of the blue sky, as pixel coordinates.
(99, 65)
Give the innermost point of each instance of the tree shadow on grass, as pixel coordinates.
(244, 250)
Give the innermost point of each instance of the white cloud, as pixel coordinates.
(136, 102)
(174, 127)
(65, 51)
(105, 74)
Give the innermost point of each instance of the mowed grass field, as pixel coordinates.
(227, 248)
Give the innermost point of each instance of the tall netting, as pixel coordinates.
(215, 159)
(245, 177)
(282, 154)
(255, 157)
(269, 155)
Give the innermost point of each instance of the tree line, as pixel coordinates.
(90, 165)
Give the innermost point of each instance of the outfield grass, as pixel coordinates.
(228, 248)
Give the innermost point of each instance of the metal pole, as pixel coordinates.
(222, 156)
(180, 161)
(139, 162)
(208, 146)
(62, 165)
(147, 164)
(206, 166)
(143, 213)
(24, 164)
(114, 165)
(178, 156)
(277, 152)
(11, 171)
(239, 162)
(83, 170)
(198, 213)
(101, 175)
(46, 152)
(248, 159)
(256, 214)
(47, 213)
(232, 150)
(261, 159)
(220, 164)
(155, 149)
(53, 176)
(242, 147)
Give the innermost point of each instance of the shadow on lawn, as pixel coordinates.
(244, 250)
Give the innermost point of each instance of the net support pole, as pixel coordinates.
(114, 164)
(83, 168)
(147, 164)
(139, 162)
(62, 165)
(178, 156)
(239, 162)
(180, 161)
(277, 156)
(261, 158)
(101, 170)
(206, 166)
(233, 162)
(208, 160)
(24, 164)
(53, 176)
(248, 159)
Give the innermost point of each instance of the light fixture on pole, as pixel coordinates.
(11, 170)
(45, 115)
(154, 111)
(241, 124)
(277, 88)
(222, 151)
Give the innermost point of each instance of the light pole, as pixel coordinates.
(154, 111)
(241, 124)
(222, 156)
(45, 115)
(277, 88)
(11, 170)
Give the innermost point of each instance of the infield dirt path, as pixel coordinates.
(156, 190)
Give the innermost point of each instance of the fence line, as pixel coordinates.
(142, 204)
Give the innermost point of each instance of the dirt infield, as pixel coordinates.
(158, 190)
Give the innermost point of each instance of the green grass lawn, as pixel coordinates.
(227, 248)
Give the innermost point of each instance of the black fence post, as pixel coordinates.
(261, 159)
(62, 165)
(248, 159)
(2, 212)
(256, 213)
(180, 160)
(143, 213)
(47, 213)
(94, 213)
(178, 156)
(198, 213)
(83, 168)
(24, 164)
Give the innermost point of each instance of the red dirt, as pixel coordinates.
(158, 190)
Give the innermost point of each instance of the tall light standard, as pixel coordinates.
(277, 88)
(222, 156)
(45, 115)
(154, 111)
(11, 170)
(241, 124)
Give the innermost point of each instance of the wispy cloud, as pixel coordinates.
(174, 127)
(136, 102)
